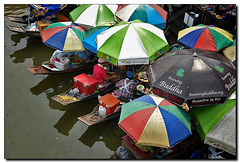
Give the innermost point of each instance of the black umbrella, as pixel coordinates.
(193, 77)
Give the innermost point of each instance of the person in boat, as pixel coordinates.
(100, 73)
(126, 87)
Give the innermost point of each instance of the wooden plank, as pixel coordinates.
(39, 70)
(90, 119)
(15, 29)
(22, 30)
(16, 19)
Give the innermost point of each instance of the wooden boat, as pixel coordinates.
(46, 70)
(66, 99)
(93, 118)
(19, 19)
(22, 30)
(24, 19)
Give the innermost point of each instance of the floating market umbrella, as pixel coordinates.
(192, 76)
(152, 14)
(216, 124)
(89, 16)
(206, 37)
(131, 43)
(230, 52)
(152, 120)
(64, 36)
(90, 38)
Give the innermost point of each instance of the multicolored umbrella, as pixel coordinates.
(216, 124)
(90, 38)
(131, 43)
(151, 120)
(64, 36)
(152, 14)
(91, 15)
(192, 76)
(206, 37)
(230, 52)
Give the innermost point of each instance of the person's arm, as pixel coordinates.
(109, 72)
(109, 77)
(106, 78)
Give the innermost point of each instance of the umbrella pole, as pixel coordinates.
(133, 74)
(140, 68)
(187, 21)
(29, 16)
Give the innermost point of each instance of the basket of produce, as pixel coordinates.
(213, 13)
(142, 76)
(77, 61)
(218, 17)
(205, 7)
(140, 88)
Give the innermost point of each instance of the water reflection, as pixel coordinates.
(52, 85)
(38, 90)
(56, 84)
(107, 132)
(17, 38)
(34, 49)
(15, 9)
(70, 117)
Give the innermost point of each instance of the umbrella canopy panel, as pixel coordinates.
(89, 15)
(152, 14)
(206, 37)
(90, 38)
(131, 43)
(194, 76)
(206, 117)
(151, 120)
(223, 134)
(230, 52)
(64, 36)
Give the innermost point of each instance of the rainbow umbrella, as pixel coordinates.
(152, 120)
(64, 36)
(148, 13)
(92, 15)
(206, 37)
(230, 52)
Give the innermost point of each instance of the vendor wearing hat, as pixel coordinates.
(100, 73)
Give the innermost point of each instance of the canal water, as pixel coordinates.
(35, 126)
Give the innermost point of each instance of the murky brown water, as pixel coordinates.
(35, 126)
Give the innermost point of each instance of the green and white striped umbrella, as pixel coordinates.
(131, 43)
(91, 15)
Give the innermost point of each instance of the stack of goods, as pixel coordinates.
(42, 24)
